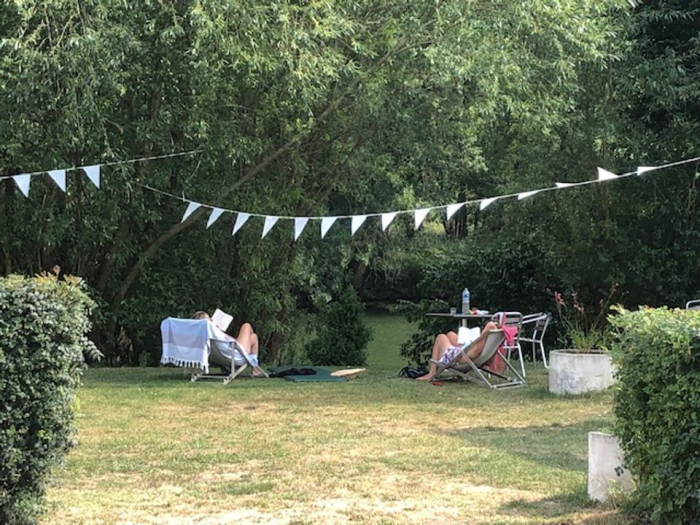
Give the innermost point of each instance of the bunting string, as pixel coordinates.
(326, 222)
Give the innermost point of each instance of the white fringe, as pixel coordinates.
(184, 363)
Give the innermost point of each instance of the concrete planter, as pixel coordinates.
(572, 372)
(605, 471)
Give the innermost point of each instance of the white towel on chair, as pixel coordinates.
(186, 342)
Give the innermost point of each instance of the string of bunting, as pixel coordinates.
(93, 172)
(356, 221)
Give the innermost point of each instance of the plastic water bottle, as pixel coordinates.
(465, 301)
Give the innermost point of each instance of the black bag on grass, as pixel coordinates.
(412, 372)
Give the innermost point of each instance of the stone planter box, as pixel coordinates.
(572, 372)
(605, 470)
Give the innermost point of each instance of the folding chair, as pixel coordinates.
(693, 305)
(220, 350)
(540, 322)
(513, 320)
(461, 364)
(197, 343)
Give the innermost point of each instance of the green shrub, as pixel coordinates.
(43, 322)
(417, 348)
(343, 337)
(658, 410)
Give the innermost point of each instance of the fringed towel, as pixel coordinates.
(186, 342)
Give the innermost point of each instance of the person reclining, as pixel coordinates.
(446, 347)
(246, 337)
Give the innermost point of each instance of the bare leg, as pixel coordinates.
(248, 339)
(453, 338)
(440, 346)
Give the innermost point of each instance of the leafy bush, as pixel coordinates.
(658, 358)
(43, 322)
(343, 337)
(416, 350)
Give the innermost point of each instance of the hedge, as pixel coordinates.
(657, 408)
(43, 322)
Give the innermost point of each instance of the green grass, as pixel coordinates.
(155, 448)
(389, 332)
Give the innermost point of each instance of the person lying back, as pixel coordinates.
(447, 346)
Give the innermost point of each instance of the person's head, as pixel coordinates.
(201, 315)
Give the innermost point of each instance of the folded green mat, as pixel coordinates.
(321, 376)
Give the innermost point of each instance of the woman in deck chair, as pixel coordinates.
(446, 347)
(246, 337)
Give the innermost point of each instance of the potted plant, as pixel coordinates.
(584, 366)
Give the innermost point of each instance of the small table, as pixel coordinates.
(463, 318)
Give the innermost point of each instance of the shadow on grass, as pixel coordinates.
(536, 443)
(557, 507)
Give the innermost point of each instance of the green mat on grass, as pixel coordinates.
(321, 376)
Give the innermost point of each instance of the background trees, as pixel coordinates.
(344, 107)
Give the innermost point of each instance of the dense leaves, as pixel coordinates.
(342, 336)
(335, 108)
(43, 327)
(658, 360)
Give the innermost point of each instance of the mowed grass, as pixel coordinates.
(154, 448)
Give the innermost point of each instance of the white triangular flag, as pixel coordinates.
(59, 177)
(452, 209)
(606, 175)
(644, 169)
(215, 214)
(23, 182)
(564, 184)
(269, 223)
(241, 219)
(387, 218)
(421, 215)
(299, 225)
(326, 224)
(191, 207)
(526, 194)
(93, 173)
(356, 222)
(487, 202)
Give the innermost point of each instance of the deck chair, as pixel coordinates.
(461, 364)
(693, 305)
(514, 320)
(538, 323)
(220, 350)
(197, 343)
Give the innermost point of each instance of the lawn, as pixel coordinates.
(154, 448)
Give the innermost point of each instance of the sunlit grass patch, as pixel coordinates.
(155, 448)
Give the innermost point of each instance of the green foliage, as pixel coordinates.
(583, 327)
(43, 322)
(343, 334)
(308, 108)
(657, 353)
(417, 348)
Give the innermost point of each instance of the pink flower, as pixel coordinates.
(559, 299)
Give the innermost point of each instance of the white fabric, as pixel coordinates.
(223, 344)
(186, 342)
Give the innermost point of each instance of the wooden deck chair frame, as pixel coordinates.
(216, 358)
(461, 364)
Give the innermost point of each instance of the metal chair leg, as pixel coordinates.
(544, 356)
